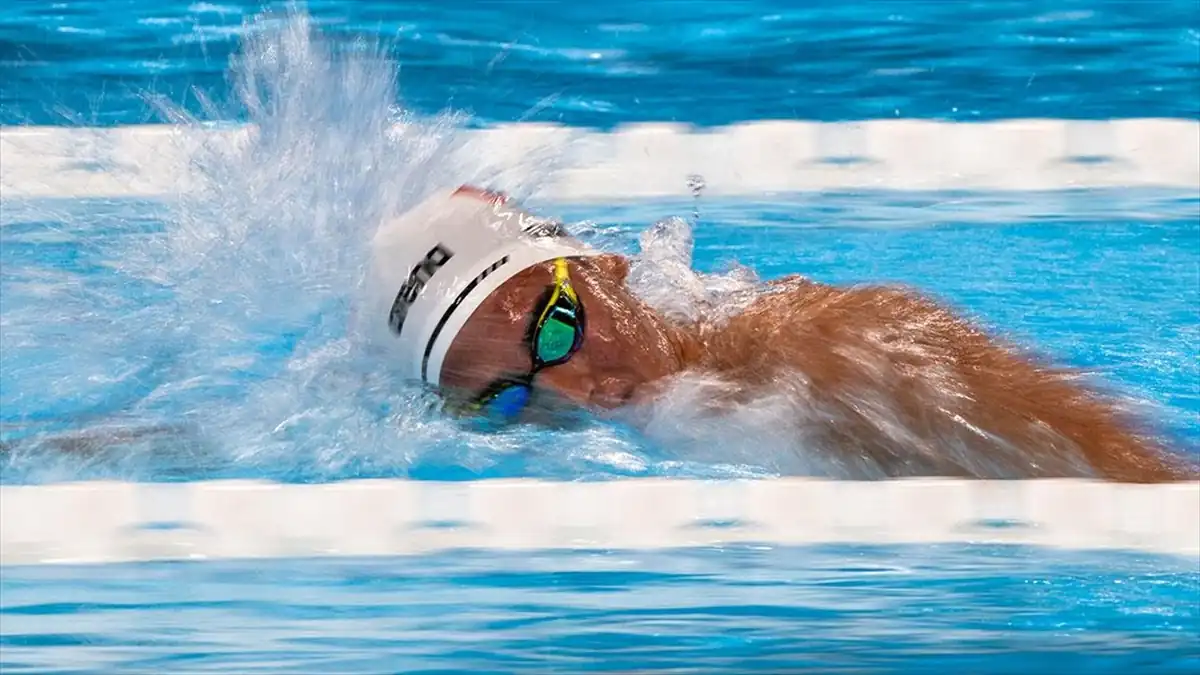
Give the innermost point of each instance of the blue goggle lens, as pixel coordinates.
(508, 402)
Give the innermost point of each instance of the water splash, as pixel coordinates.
(237, 354)
(662, 275)
(257, 368)
(266, 263)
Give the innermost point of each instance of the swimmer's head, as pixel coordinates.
(470, 294)
(624, 347)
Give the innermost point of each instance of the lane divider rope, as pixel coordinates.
(107, 522)
(659, 159)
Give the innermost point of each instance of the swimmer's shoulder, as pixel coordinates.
(797, 292)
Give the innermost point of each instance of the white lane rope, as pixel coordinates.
(657, 159)
(104, 522)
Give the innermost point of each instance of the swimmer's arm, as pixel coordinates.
(1007, 386)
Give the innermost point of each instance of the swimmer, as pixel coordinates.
(503, 312)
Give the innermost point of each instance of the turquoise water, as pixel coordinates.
(220, 320)
(245, 341)
(1102, 281)
(979, 610)
(600, 64)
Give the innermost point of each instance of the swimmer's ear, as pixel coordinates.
(611, 266)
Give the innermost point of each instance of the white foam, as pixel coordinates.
(104, 522)
(655, 160)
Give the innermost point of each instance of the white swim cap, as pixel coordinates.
(434, 265)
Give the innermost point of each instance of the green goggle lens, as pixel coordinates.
(555, 340)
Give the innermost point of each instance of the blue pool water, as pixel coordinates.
(1104, 281)
(1107, 282)
(822, 610)
(141, 314)
(603, 63)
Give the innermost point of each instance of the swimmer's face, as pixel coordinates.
(626, 345)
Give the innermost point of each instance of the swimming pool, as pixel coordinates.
(602, 64)
(143, 311)
(1108, 283)
(831, 609)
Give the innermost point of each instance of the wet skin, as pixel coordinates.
(952, 390)
(877, 373)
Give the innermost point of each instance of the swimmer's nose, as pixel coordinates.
(570, 383)
(587, 389)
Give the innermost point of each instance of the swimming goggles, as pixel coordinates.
(554, 336)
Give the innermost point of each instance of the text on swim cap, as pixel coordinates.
(420, 275)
